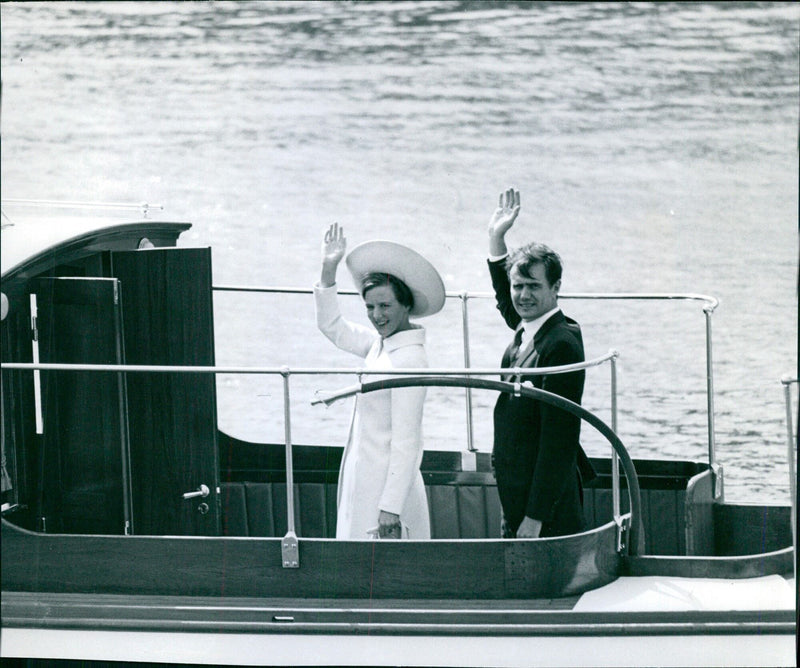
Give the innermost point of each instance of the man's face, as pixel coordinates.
(533, 297)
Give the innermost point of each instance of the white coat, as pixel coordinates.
(380, 463)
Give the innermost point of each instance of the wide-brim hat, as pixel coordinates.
(404, 263)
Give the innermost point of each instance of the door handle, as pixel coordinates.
(202, 491)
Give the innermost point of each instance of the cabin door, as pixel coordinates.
(167, 312)
(83, 453)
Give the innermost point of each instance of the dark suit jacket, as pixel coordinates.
(537, 453)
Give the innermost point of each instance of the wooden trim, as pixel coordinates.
(114, 237)
(180, 566)
(699, 515)
(780, 562)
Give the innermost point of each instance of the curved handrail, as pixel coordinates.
(408, 377)
(290, 551)
(521, 389)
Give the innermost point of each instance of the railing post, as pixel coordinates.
(787, 393)
(290, 552)
(125, 455)
(615, 481)
(465, 335)
(716, 469)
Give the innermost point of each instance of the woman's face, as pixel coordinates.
(384, 311)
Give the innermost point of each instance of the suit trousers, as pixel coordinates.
(567, 516)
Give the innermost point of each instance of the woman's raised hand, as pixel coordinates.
(334, 245)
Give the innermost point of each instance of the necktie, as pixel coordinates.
(512, 352)
(517, 346)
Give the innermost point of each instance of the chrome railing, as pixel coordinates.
(791, 445)
(144, 207)
(290, 544)
(290, 550)
(709, 306)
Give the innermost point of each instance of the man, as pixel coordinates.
(537, 455)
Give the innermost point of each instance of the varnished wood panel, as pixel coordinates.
(168, 320)
(666, 521)
(472, 512)
(260, 512)
(84, 431)
(443, 511)
(664, 484)
(494, 512)
(260, 509)
(700, 530)
(19, 422)
(779, 562)
(312, 510)
(331, 495)
(603, 506)
(747, 528)
(194, 566)
(234, 510)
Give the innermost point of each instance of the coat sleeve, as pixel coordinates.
(348, 336)
(406, 446)
(502, 293)
(559, 438)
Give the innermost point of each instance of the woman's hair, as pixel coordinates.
(400, 289)
(525, 257)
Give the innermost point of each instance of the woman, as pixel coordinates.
(380, 485)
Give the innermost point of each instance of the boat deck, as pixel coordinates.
(412, 632)
(630, 605)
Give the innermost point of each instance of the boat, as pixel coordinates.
(134, 529)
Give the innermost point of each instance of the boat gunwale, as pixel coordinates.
(736, 567)
(374, 616)
(10, 526)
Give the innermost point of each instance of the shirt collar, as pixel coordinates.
(531, 327)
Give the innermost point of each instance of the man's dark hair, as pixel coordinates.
(526, 257)
(400, 289)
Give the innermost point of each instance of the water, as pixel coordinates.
(655, 145)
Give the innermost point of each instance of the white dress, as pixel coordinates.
(380, 464)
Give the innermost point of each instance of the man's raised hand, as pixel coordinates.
(506, 213)
(502, 220)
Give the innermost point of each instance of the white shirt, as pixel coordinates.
(530, 327)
